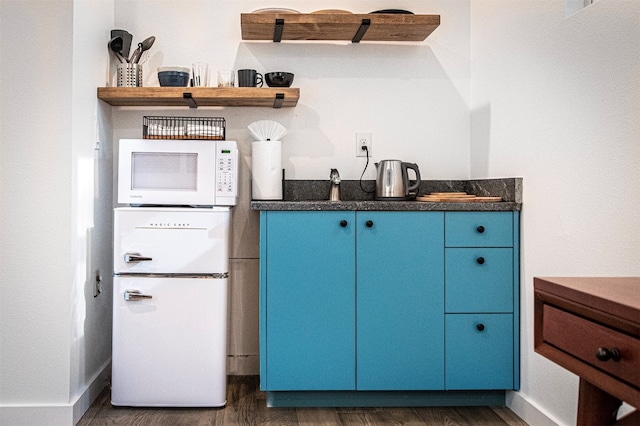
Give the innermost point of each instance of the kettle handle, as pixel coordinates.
(413, 167)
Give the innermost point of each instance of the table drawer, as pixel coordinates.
(582, 339)
(479, 229)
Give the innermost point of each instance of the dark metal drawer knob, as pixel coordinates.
(480, 229)
(480, 260)
(480, 327)
(604, 354)
(344, 223)
(369, 223)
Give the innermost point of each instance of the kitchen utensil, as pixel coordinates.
(173, 76)
(115, 45)
(249, 78)
(278, 79)
(142, 47)
(200, 74)
(392, 181)
(267, 130)
(126, 40)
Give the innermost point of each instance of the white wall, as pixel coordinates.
(36, 178)
(54, 221)
(557, 101)
(413, 97)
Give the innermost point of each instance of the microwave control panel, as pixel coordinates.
(226, 171)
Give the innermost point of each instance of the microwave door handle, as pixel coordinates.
(135, 257)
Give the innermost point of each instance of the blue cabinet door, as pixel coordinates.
(400, 300)
(479, 280)
(480, 351)
(307, 301)
(479, 229)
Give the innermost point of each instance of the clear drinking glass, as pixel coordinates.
(226, 78)
(200, 74)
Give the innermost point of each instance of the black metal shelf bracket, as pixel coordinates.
(277, 103)
(366, 23)
(189, 100)
(277, 31)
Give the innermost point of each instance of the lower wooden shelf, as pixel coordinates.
(200, 96)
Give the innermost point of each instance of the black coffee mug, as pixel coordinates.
(249, 78)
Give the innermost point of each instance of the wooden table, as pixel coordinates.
(591, 327)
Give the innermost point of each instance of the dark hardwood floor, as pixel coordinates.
(246, 405)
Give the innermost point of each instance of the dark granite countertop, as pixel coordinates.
(313, 195)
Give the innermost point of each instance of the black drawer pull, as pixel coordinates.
(480, 229)
(344, 223)
(480, 260)
(604, 354)
(369, 223)
(480, 327)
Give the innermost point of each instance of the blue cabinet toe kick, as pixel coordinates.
(385, 398)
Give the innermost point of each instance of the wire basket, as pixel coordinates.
(210, 128)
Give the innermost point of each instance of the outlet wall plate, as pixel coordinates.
(363, 139)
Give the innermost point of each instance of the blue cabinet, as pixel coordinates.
(388, 301)
(481, 300)
(400, 312)
(308, 301)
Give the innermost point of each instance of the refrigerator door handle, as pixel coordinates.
(133, 295)
(130, 257)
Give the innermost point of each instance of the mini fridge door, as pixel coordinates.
(169, 342)
(160, 240)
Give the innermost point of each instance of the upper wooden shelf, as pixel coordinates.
(339, 26)
(274, 97)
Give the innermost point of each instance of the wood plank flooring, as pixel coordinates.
(246, 405)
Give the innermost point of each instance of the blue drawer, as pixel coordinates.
(479, 280)
(479, 350)
(479, 229)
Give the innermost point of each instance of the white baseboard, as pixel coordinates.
(56, 414)
(29, 415)
(528, 411)
(91, 392)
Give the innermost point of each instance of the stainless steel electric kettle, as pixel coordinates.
(392, 180)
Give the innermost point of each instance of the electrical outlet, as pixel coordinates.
(363, 139)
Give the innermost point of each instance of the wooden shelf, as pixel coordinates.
(340, 26)
(200, 96)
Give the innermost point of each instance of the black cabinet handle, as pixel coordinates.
(480, 260)
(480, 229)
(344, 223)
(604, 354)
(369, 223)
(480, 327)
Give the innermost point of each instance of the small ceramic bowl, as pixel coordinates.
(278, 79)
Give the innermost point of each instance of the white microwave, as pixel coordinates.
(177, 172)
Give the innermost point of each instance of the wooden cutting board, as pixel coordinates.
(456, 197)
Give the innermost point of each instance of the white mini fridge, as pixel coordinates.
(170, 306)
